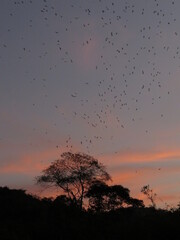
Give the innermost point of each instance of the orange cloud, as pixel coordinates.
(31, 162)
(164, 180)
(135, 182)
(139, 157)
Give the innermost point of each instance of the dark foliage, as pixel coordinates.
(104, 198)
(27, 217)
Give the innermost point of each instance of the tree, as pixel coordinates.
(103, 198)
(149, 194)
(74, 173)
(96, 195)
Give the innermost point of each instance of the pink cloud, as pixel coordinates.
(29, 163)
(139, 157)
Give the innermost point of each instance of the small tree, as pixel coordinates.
(151, 196)
(74, 174)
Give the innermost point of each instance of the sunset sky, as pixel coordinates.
(95, 76)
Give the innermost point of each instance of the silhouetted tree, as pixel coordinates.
(149, 194)
(74, 174)
(106, 198)
(96, 195)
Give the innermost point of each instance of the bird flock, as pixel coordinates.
(95, 67)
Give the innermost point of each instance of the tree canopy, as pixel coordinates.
(103, 198)
(74, 173)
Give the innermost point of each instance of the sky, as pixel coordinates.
(95, 76)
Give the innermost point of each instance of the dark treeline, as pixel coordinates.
(89, 207)
(27, 217)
